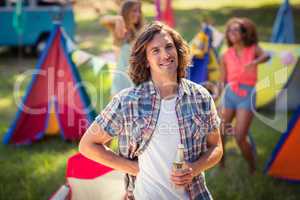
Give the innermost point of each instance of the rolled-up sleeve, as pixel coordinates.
(210, 115)
(111, 118)
(213, 117)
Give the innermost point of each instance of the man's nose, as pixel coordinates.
(165, 54)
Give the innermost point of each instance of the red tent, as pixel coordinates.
(88, 179)
(165, 12)
(54, 97)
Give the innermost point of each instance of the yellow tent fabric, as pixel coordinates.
(213, 67)
(274, 75)
(199, 45)
(53, 127)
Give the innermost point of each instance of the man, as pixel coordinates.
(151, 119)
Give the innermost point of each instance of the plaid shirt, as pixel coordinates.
(132, 116)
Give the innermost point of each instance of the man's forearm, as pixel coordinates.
(207, 160)
(100, 154)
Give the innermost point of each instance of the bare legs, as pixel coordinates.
(244, 118)
(227, 116)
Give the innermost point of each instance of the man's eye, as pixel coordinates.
(155, 51)
(169, 46)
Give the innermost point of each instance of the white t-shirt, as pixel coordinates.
(153, 180)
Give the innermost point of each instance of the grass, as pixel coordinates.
(235, 183)
(263, 16)
(36, 171)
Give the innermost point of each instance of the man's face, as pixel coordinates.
(162, 56)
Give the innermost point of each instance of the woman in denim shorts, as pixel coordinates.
(239, 75)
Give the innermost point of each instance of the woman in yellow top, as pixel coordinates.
(124, 28)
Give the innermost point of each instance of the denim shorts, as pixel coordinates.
(233, 101)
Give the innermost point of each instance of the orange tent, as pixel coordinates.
(285, 160)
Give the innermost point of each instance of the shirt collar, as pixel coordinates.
(183, 88)
(151, 87)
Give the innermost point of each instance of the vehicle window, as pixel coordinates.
(51, 2)
(2, 2)
(24, 2)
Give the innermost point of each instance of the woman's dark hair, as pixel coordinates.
(138, 70)
(247, 30)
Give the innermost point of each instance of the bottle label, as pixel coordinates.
(178, 165)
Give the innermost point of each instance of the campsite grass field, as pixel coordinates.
(38, 170)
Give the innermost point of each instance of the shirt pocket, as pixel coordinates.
(141, 134)
(140, 127)
(197, 127)
(199, 144)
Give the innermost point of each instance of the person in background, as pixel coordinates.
(239, 74)
(124, 28)
(163, 111)
(164, 12)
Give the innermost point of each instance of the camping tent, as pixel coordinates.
(91, 180)
(283, 28)
(278, 79)
(55, 101)
(284, 163)
(165, 12)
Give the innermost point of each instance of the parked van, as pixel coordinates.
(37, 19)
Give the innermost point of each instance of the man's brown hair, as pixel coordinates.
(138, 70)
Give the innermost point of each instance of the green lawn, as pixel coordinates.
(36, 171)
